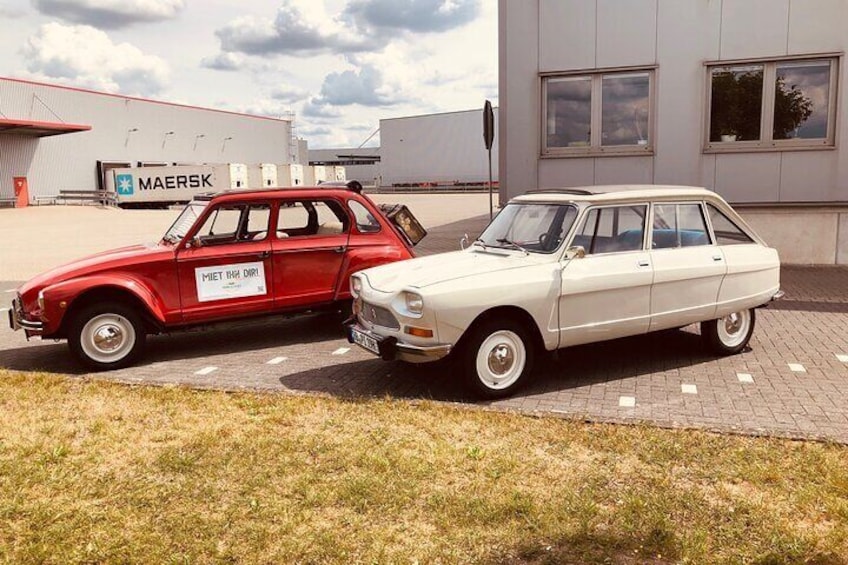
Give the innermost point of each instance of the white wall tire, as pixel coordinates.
(729, 335)
(498, 359)
(106, 336)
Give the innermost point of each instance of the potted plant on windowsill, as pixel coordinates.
(728, 136)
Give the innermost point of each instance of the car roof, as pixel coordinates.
(265, 193)
(615, 192)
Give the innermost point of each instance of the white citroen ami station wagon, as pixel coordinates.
(564, 267)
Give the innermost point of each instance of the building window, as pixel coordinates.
(597, 114)
(772, 105)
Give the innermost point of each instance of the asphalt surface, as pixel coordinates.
(791, 382)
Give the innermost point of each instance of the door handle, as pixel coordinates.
(339, 249)
(264, 254)
(716, 257)
(644, 263)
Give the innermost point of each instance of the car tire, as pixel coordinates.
(729, 335)
(497, 358)
(107, 336)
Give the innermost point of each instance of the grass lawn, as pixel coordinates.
(99, 472)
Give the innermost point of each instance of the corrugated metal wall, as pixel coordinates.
(69, 161)
(539, 36)
(436, 148)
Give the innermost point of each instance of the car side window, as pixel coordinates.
(725, 230)
(365, 220)
(311, 218)
(235, 222)
(679, 225)
(612, 229)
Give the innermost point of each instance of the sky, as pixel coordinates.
(338, 65)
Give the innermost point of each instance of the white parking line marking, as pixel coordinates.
(206, 371)
(627, 401)
(797, 368)
(689, 389)
(11, 290)
(4, 310)
(841, 357)
(277, 360)
(341, 350)
(745, 378)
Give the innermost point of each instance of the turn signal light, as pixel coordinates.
(418, 332)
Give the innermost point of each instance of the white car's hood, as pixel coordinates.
(426, 271)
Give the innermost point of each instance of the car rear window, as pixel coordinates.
(725, 230)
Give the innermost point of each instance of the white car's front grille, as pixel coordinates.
(379, 316)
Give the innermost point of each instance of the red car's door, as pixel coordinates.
(309, 247)
(228, 272)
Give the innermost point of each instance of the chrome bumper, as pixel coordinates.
(778, 295)
(17, 321)
(390, 348)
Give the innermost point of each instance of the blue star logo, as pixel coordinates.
(124, 184)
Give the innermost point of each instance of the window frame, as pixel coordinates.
(767, 142)
(711, 241)
(583, 217)
(595, 147)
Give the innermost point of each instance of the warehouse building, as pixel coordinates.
(362, 163)
(745, 97)
(436, 150)
(55, 138)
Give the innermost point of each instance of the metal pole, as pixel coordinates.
(491, 211)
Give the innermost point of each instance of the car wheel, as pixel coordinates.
(730, 334)
(498, 358)
(107, 336)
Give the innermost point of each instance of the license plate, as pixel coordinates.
(365, 341)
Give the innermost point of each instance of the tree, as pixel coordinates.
(736, 109)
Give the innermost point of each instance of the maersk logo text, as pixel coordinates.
(174, 181)
(125, 185)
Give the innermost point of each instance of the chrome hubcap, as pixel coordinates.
(108, 337)
(733, 323)
(501, 359)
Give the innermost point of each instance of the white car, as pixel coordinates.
(563, 267)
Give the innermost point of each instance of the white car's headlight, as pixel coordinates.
(414, 302)
(355, 286)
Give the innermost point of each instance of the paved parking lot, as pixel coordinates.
(792, 382)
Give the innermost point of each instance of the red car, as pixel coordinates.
(229, 255)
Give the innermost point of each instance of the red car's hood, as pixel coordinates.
(106, 260)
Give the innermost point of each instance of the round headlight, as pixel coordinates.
(414, 303)
(355, 286)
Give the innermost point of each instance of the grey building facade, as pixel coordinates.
(56, 136)
(745, 97)
(443, 148)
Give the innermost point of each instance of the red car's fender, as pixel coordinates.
(64, 297)
(364, 258)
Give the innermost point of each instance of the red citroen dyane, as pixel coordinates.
(230, 255)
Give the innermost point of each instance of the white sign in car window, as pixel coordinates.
(230, 281)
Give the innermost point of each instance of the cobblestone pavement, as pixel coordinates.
(792, 382)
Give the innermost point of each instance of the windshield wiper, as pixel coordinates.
(512, 244)
(479, 241)
(171, 238)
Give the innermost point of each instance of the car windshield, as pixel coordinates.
(529, 227)
(186, 219)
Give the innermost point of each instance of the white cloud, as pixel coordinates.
(110, 14)
(364, 87)
(84, 56)
(298, 29)
(223, 62)
(422, 16)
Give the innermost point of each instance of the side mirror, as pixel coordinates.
(463, 242)
(575, 252)
(195, 242)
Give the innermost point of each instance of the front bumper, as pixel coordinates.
(389, 348)
(17, 320)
